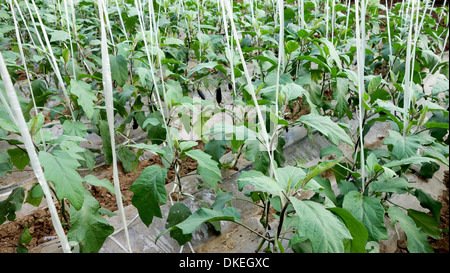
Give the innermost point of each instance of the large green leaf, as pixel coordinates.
(416, 239)
(427, 223)
(291, 91)
(204, 215)
(323, 229)
(19, 157)
(332, 52)
(149, 191)
(369, 211)
(177, 214)
(174, 92)
(289, 177)
(402, 147)
(127, 158)
(85, 96)
(260, 181)
(61, 169)
(340, 90)
(326, 126)
(408, 161)
(321, 167)
(207, 167)
(207, 215)
(427, 201)
(11, 204)
(76, 128)
(94, 181)
(209, 65)
(216, 148)
(357, 230)
(88, 226)
(119, 69)
(59, 36)
(397, 185)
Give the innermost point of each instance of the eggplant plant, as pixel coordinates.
(169, 69)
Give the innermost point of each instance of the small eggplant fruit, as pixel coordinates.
(135, 124)
(219, 95)
(200, 93)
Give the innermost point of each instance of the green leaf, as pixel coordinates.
(340, 90)
(436, 154)
(262, 162)
(173, 41)
(326, 126)
(369, 211)
(331, 150)
(325, 231)
(291, 46)
(19, 158)
(289, 177)
(11, 204)
(177, 214)
(374, 83)
(325, 188)
(221, 200)
(402, 147)
(149, 191)
(6, 165)
(35, 195)
(427, 201)
(8, 126)
(409, 160)
(207, 167)
(387, 106)
(434, 124)
(209, 65)
(153, 148)
(59, 36)
(416, 239)
(127, 158)
(357, 230)
(66, 55)
(174, 92)
(61, 169)
(321, 167)
(106, 140)
(396, 185)
(119, 69)
(94, 181)
(332, 52)
(76, 128)
(85, 96)
(203, 215)
(187, 145)
(259, 180)
(291, 91)
(216, 148)
(428, 169)
(35, 124)
(427, 223)
(25, 238)
(88, 226)
(156, 133)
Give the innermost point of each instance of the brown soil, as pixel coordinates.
(297, 110)
(40, 225)
(107, 200)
